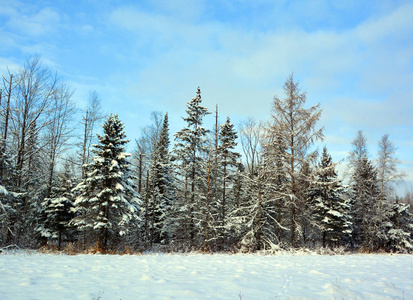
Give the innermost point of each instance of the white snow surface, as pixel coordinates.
(198, 276)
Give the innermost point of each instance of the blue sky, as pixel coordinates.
(355, 58)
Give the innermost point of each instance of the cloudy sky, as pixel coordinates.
(354, 57)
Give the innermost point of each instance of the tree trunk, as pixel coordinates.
(59, 242)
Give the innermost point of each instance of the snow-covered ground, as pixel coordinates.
(196, 276)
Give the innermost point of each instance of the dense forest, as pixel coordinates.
(69, 183)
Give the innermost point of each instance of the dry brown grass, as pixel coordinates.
(77, 248)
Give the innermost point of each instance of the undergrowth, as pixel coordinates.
(77, 248)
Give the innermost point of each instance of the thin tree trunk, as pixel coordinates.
(85, 139)
(207, 203)
(140, 174)
(8, 109)
(216, 155)
(259, 232)
(59, 242)
(224, 194)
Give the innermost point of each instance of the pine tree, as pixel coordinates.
(190, 152)
(330, 212)
(108, 202)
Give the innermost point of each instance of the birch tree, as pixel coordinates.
(387, 171)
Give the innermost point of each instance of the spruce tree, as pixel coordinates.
(108, 203)
(228, 164)
(58, 209)
(330, 212)
(161, 187)
(400, 227)
(190, 152)
(364, 201)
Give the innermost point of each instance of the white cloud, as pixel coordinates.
(242, 70)
(40, 23)
(397, 24)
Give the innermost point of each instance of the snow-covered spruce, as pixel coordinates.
(108, 205)
(189, 154)
(58, 208)
(364, 199)
(160, 189)
(329, 210)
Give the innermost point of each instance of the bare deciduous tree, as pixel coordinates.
(251, 133)
(296, 126)
(358, 152)
(58, 129)
(145, 145)
(37, 86)
(387, 166)
(92, 115)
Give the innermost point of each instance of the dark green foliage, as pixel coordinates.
(329, 211)
(108, 203)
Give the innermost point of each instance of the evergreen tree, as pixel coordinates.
(58, 209)
(108, 202)
(161, 187)
(190, 151)
(365, 192)
(330, 212)
(400, 227)
(6, 214)
(228, 164)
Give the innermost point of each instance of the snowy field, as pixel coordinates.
(197, 276)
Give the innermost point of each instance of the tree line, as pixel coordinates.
(195, 192)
